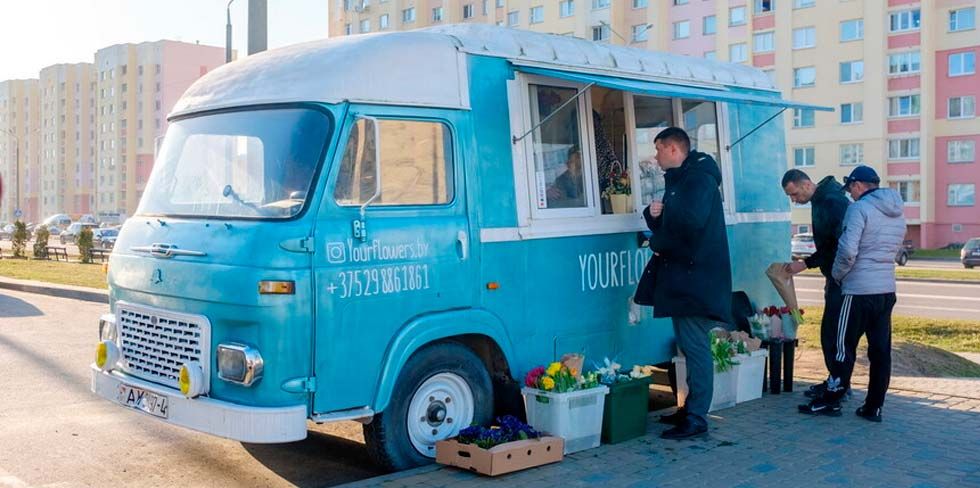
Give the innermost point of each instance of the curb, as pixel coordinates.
(88, 295)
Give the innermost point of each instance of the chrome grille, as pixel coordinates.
(155, 343)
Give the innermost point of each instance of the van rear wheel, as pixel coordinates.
(442, 389)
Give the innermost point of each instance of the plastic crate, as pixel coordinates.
(723, 395)
(575, 416)
(625, 414)
(749, 374)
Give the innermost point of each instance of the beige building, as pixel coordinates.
(67, 139)
(19, 148)
(901, 75)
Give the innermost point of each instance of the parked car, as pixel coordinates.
(802, 245)
(105, 237)
(7, 232)
(904, 253)
(970, 254)
(61, 220)
(70, 235)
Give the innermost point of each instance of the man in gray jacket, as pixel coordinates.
(874, 228)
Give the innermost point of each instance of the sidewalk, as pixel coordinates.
(926, 440)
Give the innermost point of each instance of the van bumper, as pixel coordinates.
(262, 425)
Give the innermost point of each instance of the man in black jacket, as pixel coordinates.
(693, 278)
(827, 207)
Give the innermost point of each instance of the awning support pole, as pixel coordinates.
(749, 133)
(555, 112)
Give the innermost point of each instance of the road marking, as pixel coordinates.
(916, 295)
(914, 307)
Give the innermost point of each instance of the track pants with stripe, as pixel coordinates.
(832, 298)
(869, 315)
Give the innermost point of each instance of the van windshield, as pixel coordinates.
(256, 164)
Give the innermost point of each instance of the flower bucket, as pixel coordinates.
(625, 414)
(621, 203)
(749, 373)
(723, 395)
(575, 416)
(789, 326)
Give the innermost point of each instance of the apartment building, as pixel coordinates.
(67, 139)
(19, 148)
(136, 87)
(901, 75)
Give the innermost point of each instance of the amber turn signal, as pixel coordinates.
(277, 288)
(493, 285)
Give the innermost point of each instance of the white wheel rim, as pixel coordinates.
(439, 409)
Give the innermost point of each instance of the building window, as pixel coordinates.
(962, 64)
(804, 156)
(513, 18)
(804, 3)
(851, 30)
(903, 106)
(709, 25)
(962, 107)
(851, 71)
(962, 19)
(960, 151)
(365, 26)
(710, 55)
(804, 37)
(763, 42)
(852, 113)
(383, 22)
(903, 148)
(803, 117)
(736, 16)
(437, 14)
(961, 195)
(903, 21)
(640, 32)
(909, 190)
(682, 29)
(640, 3)
(600, 32)
(566, 8)
(681, 2)
(851, 154)
(597, 4)
(537, 15)
(348, 30)
(408, 15)
(500, 4)
(804, 77)
(903, 63)
(763, 6)
(486, 7)
(468, 11)
(738, 53)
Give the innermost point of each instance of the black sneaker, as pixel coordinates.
(816, 391)
(822, 406)
(691, 426)
(675, 418)
(868, 413)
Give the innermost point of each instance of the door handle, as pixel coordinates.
(462, 245)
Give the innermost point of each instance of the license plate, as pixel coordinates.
(976, 253)
(143, 400)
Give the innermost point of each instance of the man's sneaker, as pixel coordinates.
(821, 406)
(691, 426)
(815, 391)
(868, 413)
(675, 418)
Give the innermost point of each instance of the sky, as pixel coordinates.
(39, 33)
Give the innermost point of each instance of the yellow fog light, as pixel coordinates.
(191, 379)
(106, 355)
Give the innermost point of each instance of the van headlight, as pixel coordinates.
(239, 363)
(191, 379)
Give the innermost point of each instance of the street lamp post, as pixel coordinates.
(16, 169)
(228, 33)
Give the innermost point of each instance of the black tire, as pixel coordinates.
(903, 259)
(387, 435)
(968, 266)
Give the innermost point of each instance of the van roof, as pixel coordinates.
(338, 69)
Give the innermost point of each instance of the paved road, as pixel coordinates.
(921, 299)
(55, 432)
(934, 264)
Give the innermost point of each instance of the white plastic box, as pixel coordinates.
(724, 386)
(749, 372)
(575, 416)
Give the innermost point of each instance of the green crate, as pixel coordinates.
(625, 414)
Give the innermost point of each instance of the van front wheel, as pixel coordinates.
(442, 389)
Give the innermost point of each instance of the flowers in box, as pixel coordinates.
(561, 377)
(611, 373)
(507, 429)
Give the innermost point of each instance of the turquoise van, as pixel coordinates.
(394, 228)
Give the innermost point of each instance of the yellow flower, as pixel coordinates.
(547, 383)
(553, 369)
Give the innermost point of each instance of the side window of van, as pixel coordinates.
(416, 164)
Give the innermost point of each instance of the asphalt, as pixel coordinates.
(916, 298)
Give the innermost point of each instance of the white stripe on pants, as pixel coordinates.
(845, 312)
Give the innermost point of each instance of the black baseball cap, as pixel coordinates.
(863, 173)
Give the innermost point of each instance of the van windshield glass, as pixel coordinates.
(249, 164)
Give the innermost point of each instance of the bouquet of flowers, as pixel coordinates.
(619, 183)
(782, 321)
(723, 351)
(507, 429)
(611, 373)
(559, 378)
(759, 324)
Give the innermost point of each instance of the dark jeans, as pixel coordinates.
(692, 340)
(869, 315)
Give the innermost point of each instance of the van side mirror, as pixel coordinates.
(371, 127)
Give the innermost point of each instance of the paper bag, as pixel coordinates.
(782, 280)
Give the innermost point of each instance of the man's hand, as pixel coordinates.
(656, 208)
(794, 267)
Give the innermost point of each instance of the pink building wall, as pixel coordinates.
(947, 86)
(904, 83)
(947, 173)
(903, 40)
(698, 43)
(903, 169)
(899, 126)
(763, 60)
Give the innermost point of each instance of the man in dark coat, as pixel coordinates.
(693, 278)
(827, 207)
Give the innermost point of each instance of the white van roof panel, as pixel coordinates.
(337, 69)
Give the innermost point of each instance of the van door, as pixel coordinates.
(392, 243)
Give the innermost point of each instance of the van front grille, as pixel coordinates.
(155, 343)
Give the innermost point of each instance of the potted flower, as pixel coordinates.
(624, 415)
(723, 354)
(750, 368)
(618, 191)
(563, 402)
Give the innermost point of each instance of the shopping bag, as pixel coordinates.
(782, 280)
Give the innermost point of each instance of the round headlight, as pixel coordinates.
(106, 355)
(191, 379)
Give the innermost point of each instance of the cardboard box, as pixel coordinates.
(505, 458)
